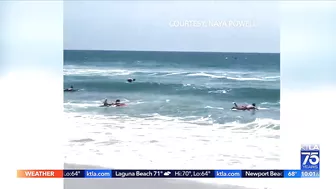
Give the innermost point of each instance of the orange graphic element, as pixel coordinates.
(39, 173)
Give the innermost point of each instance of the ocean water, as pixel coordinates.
(178, 109)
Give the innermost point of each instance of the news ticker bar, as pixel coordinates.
(104, 173)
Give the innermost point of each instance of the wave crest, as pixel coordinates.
(229, 75)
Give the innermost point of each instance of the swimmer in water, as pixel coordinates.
(69, 89)
(130, 80)
(244, 107)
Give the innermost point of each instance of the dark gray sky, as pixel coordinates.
(147, 25)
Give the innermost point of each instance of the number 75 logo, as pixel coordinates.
(312, 157)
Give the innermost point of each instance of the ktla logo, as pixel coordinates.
(310, 155)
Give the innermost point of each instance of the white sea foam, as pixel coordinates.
(219, 91)
(245, 79)
(236, 76)
(175, 73)
(169, 142)
(210, 107)
(207, 75)
(96, 72)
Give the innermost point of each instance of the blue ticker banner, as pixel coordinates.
(127, 173)
(163, 173)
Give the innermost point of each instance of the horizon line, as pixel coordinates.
(168, 51)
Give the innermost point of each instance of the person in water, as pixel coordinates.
(244, 107)
(69, 89)
(130, 80)
(117, 103)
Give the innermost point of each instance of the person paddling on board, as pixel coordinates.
(244, 107)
